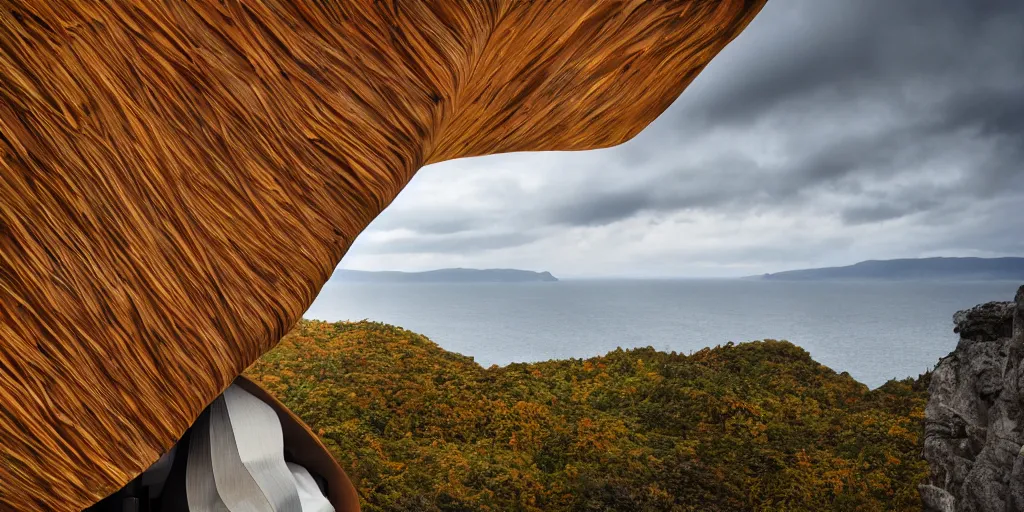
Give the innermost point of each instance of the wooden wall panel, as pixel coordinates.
(179, 178)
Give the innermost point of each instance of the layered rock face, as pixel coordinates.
(975, 414)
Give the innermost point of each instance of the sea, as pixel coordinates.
(874, 330)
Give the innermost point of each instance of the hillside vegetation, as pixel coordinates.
(752, 426)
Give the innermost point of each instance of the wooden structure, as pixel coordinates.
(179, 178)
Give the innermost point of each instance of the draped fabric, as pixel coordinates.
(239, 462)
(179, 178)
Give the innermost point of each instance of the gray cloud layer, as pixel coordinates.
(827, 133)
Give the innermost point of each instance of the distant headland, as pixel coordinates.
(444, 275)
(959, 269)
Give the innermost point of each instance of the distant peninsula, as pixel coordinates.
(445, 275)
(948, 269)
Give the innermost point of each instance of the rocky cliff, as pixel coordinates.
(975, 414)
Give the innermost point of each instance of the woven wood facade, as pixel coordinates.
(179, 178)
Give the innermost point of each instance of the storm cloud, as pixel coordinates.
(826, 133)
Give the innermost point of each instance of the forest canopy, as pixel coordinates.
(749, 426)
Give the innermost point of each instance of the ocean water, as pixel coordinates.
(873, 330)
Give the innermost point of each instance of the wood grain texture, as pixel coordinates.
(178, 180)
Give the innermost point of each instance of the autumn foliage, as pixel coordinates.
(753, 426)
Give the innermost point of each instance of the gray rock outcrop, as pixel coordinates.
(975, 414)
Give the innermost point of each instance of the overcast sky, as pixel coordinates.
(827, 133)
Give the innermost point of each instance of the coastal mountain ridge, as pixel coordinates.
(444, 275)
(963, 269)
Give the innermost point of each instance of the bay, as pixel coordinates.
(873, 330)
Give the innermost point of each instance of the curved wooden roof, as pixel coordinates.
(178, 180)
